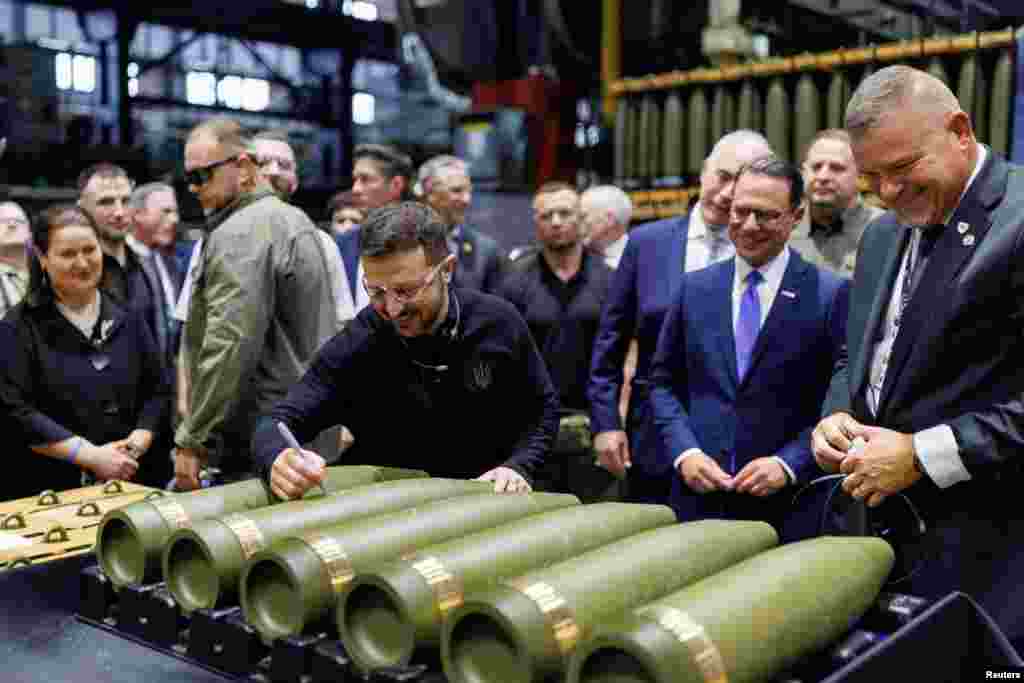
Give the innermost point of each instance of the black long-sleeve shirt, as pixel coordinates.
(492, 404)
(562, 317)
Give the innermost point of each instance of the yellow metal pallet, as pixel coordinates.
(53, 499)
(61, 524)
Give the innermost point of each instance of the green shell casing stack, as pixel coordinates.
(744, 624)
(131, 540)
(397, 607)
(202, 563)
(524, 629)
(298, 580)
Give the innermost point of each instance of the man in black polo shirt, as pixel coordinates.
(133, 282)
(560, 290)
(427, 376)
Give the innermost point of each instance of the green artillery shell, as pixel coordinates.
(654, 140)
(1000, 103)
(778, 118)
(972, 91)
(673, 151)
(525, 628)
(723, 111)
(202, 563)
(749, 108)
(391, 610)
(808, 114)
(744, 624)
(130, 540)
(838, 96)
(299, 579)
(697, 130)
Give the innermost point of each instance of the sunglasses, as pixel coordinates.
(200, 176)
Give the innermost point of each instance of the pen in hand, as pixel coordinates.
(290, 439)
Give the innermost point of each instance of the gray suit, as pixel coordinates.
(836, 251)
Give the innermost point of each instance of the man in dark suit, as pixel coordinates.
(444, 185)
(933, 382)
(652, 265)
(154, 221)
(380, 175)
(744, 358)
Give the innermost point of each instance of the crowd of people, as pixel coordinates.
(716, 361)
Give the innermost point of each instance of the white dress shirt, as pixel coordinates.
(936, 447)
(166, 283)
(613, 252)
(699, 238)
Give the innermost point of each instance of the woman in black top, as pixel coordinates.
(81, 384)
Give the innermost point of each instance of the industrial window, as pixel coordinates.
(75, 72)
(201, 88)
(363, 108)
(133, 79)
(234, 92)
(360, 9)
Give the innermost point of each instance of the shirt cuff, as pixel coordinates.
(939, 454)
(683, 456)
(787, 469)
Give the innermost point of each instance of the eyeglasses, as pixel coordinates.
(200, 176)
(403, 295)
(762, 217)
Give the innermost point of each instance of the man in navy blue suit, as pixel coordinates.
(744, 360)
(652, 265)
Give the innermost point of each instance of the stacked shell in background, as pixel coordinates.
(665, 131)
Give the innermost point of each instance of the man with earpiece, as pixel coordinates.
(428, 376)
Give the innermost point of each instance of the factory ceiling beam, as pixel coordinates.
(877, 19)
(269, 21)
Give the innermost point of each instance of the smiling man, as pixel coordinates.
(744, 359)
(260, 307)
(445, 186)
(933, 381)
(656, 256)
(420, 374)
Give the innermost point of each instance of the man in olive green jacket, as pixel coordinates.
(260, 306)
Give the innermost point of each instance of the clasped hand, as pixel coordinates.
(881, 467)
(759, 477)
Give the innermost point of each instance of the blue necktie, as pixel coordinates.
(749, 323)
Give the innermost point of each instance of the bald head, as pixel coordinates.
(730, 154)
(897, 88)
(756, 144)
